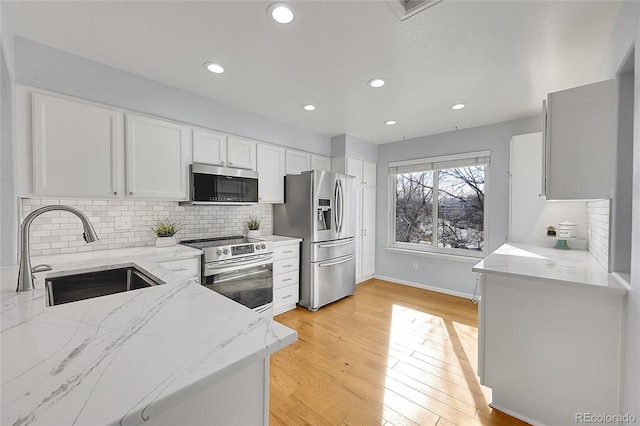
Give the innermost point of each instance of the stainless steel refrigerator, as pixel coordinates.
(320, 208)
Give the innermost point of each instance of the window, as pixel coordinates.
(438, 204)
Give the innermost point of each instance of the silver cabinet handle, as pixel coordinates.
(287, 251)
(287, 266)
(365, 231)
(287, 296)
(287, 279)
(178, 269)
(343, 243)
(349, 259)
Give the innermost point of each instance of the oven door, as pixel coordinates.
(248, 282)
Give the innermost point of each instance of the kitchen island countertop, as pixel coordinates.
(567, 267)
(126, 357)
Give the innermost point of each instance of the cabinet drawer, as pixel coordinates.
(285, 296)
(186, 267)
(286, 252)
(284, 266)
(284, 280)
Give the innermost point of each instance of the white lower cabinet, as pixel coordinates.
(365, 232)
(186, 267)
(286, 276)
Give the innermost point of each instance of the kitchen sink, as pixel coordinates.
(87, 285)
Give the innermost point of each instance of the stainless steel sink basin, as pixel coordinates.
(73, 287)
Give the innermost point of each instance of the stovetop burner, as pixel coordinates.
(216, 241)
(223, 248)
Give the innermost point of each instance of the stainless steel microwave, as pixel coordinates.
(222, 185)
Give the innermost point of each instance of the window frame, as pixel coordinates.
(413, 248)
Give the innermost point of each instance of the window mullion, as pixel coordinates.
(434, 201)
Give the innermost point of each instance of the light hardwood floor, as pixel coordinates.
(391, 354)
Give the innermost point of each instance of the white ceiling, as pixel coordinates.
(501, 58)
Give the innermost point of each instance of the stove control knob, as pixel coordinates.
(263, 246)
(257, 246)
(225, 251)
(219, 253)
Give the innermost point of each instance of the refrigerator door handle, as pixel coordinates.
(341, 243)
(336, 195)
(341, 195)
(350, 258)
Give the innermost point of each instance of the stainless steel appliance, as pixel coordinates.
(239, 269)
(221, 185)
(320, 208)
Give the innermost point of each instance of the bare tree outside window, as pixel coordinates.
(458, 215)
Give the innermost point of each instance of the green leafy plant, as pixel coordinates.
(165, 227)
(253, 223)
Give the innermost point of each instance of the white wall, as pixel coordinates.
(44, 67)
(8, 198)
(625, 35)
(451, 276)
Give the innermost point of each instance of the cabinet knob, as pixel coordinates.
(115, 192)
(131, 193)
(259, 198)
(230, 163)
(222, 163)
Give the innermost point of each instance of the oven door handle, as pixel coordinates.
(239, 262)
(349, 259)
(235, 277)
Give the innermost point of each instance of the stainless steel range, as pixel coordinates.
(239, 269)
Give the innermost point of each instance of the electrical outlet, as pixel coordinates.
(122, 223)
(415, 266)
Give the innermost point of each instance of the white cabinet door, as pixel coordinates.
(297, 162)
(209, 147)
(354, 168)
(75, 148)
(241, 153)
(319, 162)
(368, 252)
(579, 142)
(156, 158)
(271, 171)
(359, 234)
(368, 173)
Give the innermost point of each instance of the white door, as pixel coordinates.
(359, 234)
(368, 232)
(241, 153)
(297, 162)
(368, 173)
(271, 173)
(75, 148)
(156, 157)
(319, 162)
(354, 168)
(209, 147)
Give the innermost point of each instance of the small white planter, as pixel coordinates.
(165, 241)
(254, 233)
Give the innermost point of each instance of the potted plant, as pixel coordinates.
(253, 223)
(551, 231)
(165, 229)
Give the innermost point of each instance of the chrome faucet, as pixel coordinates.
(25, 277)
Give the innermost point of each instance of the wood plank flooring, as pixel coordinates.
(390, 355)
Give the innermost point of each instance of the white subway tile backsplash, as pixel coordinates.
(61, 232)
(598, 231)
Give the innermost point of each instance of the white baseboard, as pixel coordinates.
(516, 415)
(427, 287)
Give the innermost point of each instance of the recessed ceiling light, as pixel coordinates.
(308, 107)
(377, 82)
(214, 68)
(390, 122)
(458, 106)
(280, 12)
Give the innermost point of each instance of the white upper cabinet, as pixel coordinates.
(157, 158)
(297, 162)
(271, 171)
(364, 171)
(209, 147)
(223, 150)
(579, 142)
(320, 162)
(75, 148)
(241, 153)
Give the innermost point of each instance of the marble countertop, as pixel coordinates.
(569, 267)
(123, 358)
(279, 240)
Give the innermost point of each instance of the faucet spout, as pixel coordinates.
(25, 276)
